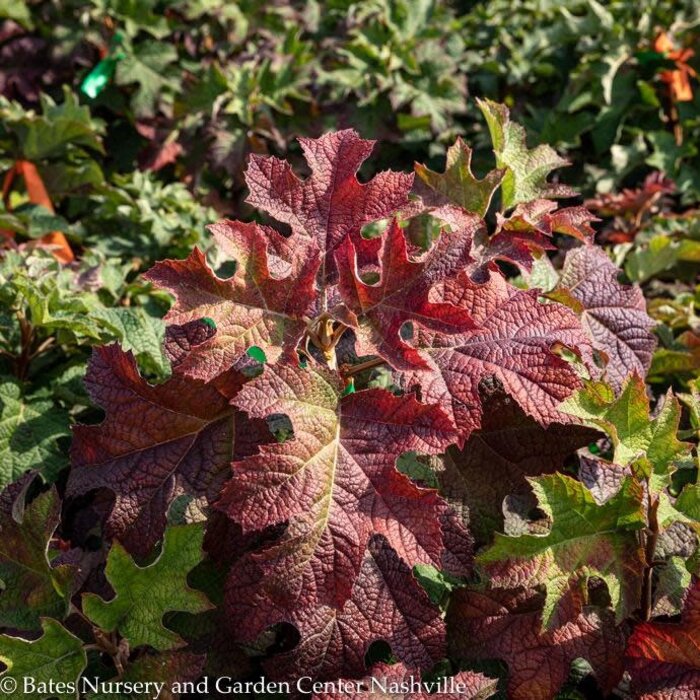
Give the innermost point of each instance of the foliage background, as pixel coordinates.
(134, 172)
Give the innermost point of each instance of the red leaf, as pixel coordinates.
(156, 443)
(331, 203)
(335, 483)
(402, 294)
(498, 457)
(513, 342)
(614, 315)
(530, 228)
(664, 658)
(505, 624)
(264, 303)
(387, 603)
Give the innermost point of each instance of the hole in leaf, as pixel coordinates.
(406, 331)
(226, 270)
(418, 468)
(370, 277)
(374, 229)
(257, 354)
(280, 426)
(287, 637)
(598, 593)
(379, 652)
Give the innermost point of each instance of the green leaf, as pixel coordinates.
(140, 333)
(48, 134)
(16, 10)
(688, 502)
(144, 595)
(437, 584)
(201, 96)
(674, 579)
(31, 587)
(627, 422)
(458, 182)
(56, 657)
(527, 169)
(585, 539)
(146, 65)
(659, 254)
(29, 429)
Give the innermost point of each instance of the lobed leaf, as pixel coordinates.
(156, 443)
(663, 658)
(529, 230)
(402, 294)
(31, 587)
(498, 457)
(264, 303)
(29, 429)
(331, 204)
(513, 341)
(56, 658)
(627, 421)
(526, 169)
(335, 483)
(142, 595)
(585, 540)
(504, 624)
(458, 183)
(613, 315)
(386, 603)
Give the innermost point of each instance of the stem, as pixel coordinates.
(652, 535)
(676, 123)
(362, 366)
(45, 345)
(105, 643)
(26, 340)
(324, 333)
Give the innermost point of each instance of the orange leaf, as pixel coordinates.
(677, 80)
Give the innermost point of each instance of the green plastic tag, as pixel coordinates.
(98, 78)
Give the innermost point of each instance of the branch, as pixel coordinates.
(352, 370)
(650, 548)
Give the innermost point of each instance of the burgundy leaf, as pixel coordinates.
(497, 458)
(513, 342)
(614, 315)
(331, 203)
(156, 443)
(664, 658)
(335, 483)
(387, 603)
(257, 306)
(505, 624)
(402, 294)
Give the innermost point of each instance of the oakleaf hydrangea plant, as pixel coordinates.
(407, 412)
